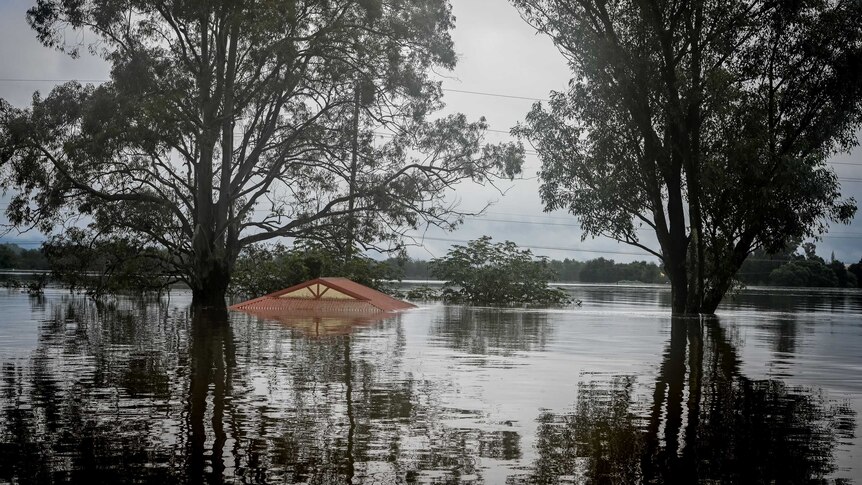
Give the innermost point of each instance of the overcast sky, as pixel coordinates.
(498, 54)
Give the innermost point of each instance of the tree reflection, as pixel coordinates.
(484, 331)
(143, 392)
(65, 415)
(352, 416)
(213, 360)
(601, 440)
(704, 421)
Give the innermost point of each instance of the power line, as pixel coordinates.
(461, 91)
(552, 248)
(24, 80)
(551, 221)
(23, 243)
(837, 235)
(569, 218)
(494, 95)
(462, 241)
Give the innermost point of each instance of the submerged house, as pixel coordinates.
(328, 296)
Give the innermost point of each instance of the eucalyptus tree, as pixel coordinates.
(226, 124)
(487, 273)
(705, 122)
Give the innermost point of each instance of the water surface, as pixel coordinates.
(614, 391)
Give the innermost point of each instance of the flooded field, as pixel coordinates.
(614, 391)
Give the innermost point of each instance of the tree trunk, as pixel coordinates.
(714, 296)
(211, 297)
(210, 281)
(721, 285)
(679, 289)
(354, 155)
(722, 281)
(212, 360)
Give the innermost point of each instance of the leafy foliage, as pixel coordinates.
(423, 293)
(227, 124)
(15, 257)
(601, 270)
(598, 270)
(801, 273)
(789, 268)
(487, 273)
(103, 266)
(756, 269)
(261, 270)
(707, 122)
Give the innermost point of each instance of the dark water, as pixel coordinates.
(612, 392)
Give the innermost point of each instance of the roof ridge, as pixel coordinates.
(357, 291)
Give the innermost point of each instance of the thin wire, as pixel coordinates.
(462, 241)
(461, 91)
(24, 80)
(552, 248)
(495, 95)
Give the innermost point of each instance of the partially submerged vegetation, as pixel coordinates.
(261, 270)
(225, 125)
(482, 272)
(599, 270)
(15, 257)
(102, 267)
(707, 125)
(790, 268)
(488, 273)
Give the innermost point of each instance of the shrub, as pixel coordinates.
(423, 293)
(489, 273)
(810, 272)
(102, 266)
(261, 270)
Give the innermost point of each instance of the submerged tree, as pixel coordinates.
(228, 123)
(263, 270)
(706, 122)
(488, 273)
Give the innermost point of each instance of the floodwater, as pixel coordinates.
(612, 392)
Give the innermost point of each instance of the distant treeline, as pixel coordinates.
(598, 270)
(799, 267)
(790, 268)
(13, 256)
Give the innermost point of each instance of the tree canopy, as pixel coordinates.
(15, 257)
(263, 270)
(706, 123)
(227, 124)
(488, 273)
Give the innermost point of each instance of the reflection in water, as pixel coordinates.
(316, 324)
(212, 366)
(67, 416)
(797, 300)
(704, 421)
(489, 331)
(113, 394)
(601, 440)
(154, 392)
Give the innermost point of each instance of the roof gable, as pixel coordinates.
(327, 291)
(316, 290)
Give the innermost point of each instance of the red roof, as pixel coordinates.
(326, 295)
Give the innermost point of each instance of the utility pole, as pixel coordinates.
(354, 160)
